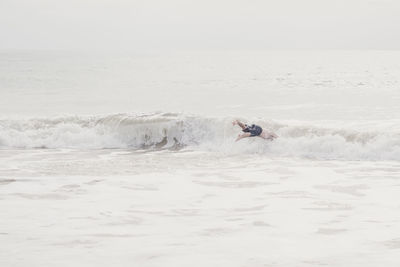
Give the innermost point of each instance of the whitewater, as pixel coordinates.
(130, 159)
(178, 131)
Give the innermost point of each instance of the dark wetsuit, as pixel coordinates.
(253, 129)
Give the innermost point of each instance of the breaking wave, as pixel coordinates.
(178, 131)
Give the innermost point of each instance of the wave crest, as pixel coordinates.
(177, 131)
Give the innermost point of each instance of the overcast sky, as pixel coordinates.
(199, 24)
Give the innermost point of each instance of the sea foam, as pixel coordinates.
(180, 131)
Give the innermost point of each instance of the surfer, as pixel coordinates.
(253, 130)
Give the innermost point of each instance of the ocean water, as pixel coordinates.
(129, 159)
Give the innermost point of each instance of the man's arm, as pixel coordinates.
(242, 125)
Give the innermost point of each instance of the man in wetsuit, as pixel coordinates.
(253, 130)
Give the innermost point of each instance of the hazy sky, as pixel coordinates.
(199, 24)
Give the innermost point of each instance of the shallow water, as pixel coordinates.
(130, 159)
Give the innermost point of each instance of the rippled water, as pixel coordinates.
(124, 159)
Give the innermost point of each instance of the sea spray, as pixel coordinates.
(180, 131)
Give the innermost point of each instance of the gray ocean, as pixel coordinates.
(130, 159)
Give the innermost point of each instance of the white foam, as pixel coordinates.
(166, 130)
